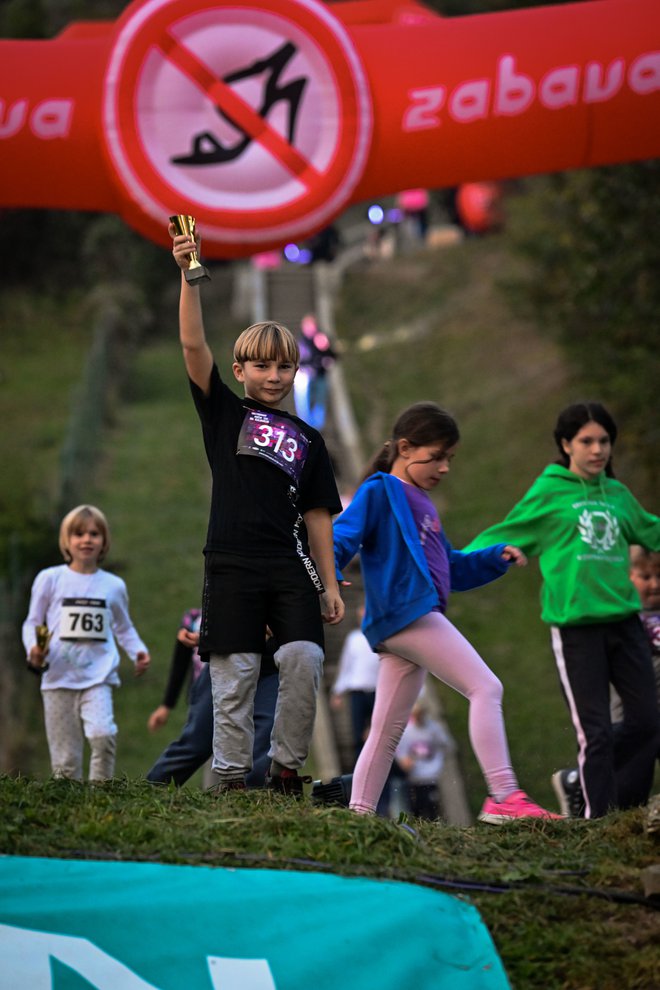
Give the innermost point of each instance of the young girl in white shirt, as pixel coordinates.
(83, 612)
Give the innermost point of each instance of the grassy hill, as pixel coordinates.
(427, 325)
(562, 900)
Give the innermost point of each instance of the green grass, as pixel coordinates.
(563, 900)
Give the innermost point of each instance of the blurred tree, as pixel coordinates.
(592, 237)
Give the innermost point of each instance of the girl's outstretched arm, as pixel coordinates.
(474, 568)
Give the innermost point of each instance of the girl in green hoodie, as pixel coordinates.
(580, 521)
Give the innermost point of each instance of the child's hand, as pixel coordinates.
(158, 718)
(332, 607)
(37, 657)
(188, 638)
(514, 555)
(36, 660)
(183, 247)
(142, 663)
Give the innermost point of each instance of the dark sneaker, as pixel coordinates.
(288, 782)
(567, 787)
(223, 786)
(336, 791)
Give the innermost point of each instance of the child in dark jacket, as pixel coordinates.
(191, 750)
(409, 567)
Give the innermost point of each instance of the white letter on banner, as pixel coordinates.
(644, 74)
(514, 92)
(240, 974)
(424, 112)
(559, 88)
(26, 956)
(12, 121)
(598, 89)
(52, 119)
(469, 101)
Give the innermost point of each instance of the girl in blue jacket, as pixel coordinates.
(409, 568)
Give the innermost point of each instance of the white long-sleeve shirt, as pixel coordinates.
(87, 615)
(358, 665)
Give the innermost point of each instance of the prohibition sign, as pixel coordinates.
(255, 114)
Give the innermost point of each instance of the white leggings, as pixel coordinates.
(432, 643)
(67, 711)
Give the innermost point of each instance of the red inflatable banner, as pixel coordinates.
(267, 118)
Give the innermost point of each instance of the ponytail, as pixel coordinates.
(382, 460)
(422, 424)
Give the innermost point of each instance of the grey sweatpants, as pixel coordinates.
(68, 713)
(234, 682)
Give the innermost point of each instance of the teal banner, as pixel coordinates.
(70, 925)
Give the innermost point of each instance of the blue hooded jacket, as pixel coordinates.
(398, 585)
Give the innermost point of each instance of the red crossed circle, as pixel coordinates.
(183, 72)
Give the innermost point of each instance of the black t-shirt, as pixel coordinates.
(268, 469)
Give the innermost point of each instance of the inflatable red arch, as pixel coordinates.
(267, 118)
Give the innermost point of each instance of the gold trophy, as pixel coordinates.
(43, 639)
(196, 271)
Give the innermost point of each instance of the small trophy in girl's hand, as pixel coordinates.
(196, 272)
(43, 639)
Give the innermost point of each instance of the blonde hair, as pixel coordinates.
(75, 520)
(267, 341)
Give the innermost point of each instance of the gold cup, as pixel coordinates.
(43, 639)
(195, 272)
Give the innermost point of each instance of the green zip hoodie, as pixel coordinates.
(580, 530)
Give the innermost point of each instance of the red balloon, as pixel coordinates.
(479, 206)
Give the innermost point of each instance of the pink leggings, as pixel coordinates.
(432, 643)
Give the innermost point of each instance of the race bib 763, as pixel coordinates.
(84, 618)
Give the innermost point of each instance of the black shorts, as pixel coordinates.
(243, 595)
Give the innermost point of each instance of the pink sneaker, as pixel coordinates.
(516, 805)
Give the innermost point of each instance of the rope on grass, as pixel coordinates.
(423, 879)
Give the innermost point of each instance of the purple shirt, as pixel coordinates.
(429, 527)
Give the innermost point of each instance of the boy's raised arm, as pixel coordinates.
(197, 354)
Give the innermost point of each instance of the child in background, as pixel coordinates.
(191, 750)
(268, 553)
(85, 609)
(185, 664)
(421, 756)
(580, 522)
(645, 575)
(409, 567)
(310, 388)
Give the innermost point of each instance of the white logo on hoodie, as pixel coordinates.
(599, 529)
